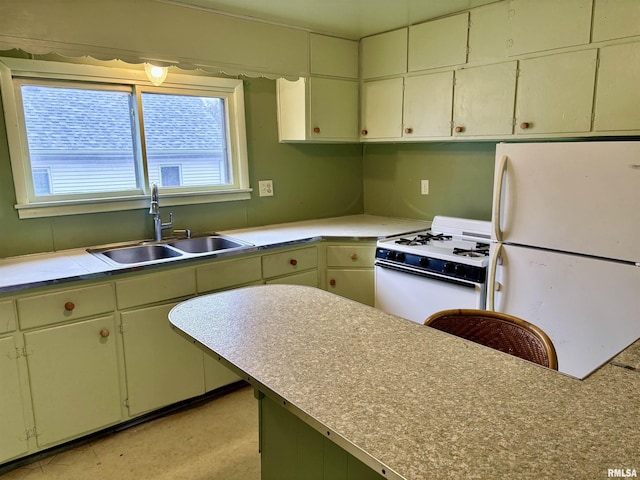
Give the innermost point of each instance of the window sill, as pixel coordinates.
(77, 207)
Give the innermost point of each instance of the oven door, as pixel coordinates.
(415, 295)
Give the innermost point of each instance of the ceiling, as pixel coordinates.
(352, 19)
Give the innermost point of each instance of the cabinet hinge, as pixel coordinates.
(29, 433)
(20, 352)
(122, 328)
(126, 402)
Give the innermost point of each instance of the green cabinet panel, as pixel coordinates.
(333, 105)
(228, 273)
(428, 101)
(156, 287)
(289, 261)
(7, 317)
(438, 43)
(162, 366)
(292, 450)
(489, 32)
(308, 278)
(555, 93)
(381, 107)
(13, 421)
(548, 24)
(484, 100)
(384, 54)
(615, 19)
(618, 92)
(336, 57)
(357, 285)
(73, 371)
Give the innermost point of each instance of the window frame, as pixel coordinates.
(14, 69)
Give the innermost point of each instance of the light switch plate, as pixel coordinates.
(424, 187)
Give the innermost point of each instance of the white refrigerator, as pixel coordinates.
(565, 254)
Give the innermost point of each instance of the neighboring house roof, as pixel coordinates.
(67, 119)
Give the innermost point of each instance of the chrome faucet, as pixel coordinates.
(154, 210)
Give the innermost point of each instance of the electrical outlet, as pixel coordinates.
(424, 187)
(265, 188)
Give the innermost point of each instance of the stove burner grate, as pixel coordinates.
(423, 239)
(480, 250)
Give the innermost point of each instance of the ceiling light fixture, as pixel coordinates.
(156, 75)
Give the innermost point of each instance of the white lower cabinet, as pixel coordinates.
(13, 421)
(74, 378)
(162, 367)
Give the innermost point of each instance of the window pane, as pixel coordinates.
(189, 132)
(170, 176)
(82, 137)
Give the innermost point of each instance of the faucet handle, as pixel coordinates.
(182, 233)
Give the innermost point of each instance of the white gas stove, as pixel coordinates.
(443, 267)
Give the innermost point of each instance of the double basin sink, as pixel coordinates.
(145, 252)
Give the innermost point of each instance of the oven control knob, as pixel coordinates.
(399, 257)
(461, 270)
(449, 267)
(424, 262)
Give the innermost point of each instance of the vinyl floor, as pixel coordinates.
(216, 440)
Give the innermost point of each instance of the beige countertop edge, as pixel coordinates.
(52, 268)
(453, 410)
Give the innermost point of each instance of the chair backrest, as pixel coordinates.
(499, 331)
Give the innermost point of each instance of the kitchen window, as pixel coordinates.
(90, 139)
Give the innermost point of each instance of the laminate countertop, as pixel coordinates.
(43, 269)
(415, 402)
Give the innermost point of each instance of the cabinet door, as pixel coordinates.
(382, 109)
(548, 24)
(617, 94)
(615, 19)
(555, 93)
(384, 54)
(354, 284)
(13, 424)
(75, 386)
(162, 366)
(333, 56)
(439, 43)
(333, 109)
(428, 102)
(484, 100)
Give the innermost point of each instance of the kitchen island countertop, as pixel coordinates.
(43, 269)
(415, 402)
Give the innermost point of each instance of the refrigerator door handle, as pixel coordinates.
(497, 198)
(492, 285)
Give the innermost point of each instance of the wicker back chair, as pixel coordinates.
(499, 331)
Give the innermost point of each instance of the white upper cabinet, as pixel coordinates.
(617, 94)
(427, 105)
(555, 93)
(484, 100)
(384, 54)
(547, 24)
(615, 19)
(335, 57)
(439, 43)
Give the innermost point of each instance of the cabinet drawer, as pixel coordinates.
(156, 287)
(225, 274)
(7, 317)
(65, 305)
(350, 256)
(290, 261)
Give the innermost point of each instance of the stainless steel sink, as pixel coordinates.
(140, 253)
(147, 252)
(212, 243)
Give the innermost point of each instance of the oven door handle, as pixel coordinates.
(422, 273)
(492, 285)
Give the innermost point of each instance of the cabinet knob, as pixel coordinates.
(332, 282)
(104, 333)
(408, 130)
(69, 306)
(316, 129)
(293, 262)
(354, 256)
(459, 129)
(525, 125)
(364, 132)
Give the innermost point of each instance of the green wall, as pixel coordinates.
(310, 181)
(460, 179)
